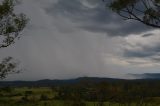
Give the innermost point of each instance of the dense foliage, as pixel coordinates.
(119, 91)
(144, 11)
(11, 25)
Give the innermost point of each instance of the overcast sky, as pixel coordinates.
(75, 38)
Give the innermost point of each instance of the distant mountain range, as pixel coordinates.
(146, 76)
(47, 82)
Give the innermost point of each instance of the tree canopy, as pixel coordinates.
(11, 25)
(144, 11)
(8, 66)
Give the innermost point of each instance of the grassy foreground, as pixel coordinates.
(45, 96)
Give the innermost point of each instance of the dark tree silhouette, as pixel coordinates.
(11, 25)
(8, 66)
(144, 11)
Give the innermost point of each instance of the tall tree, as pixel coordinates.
(11, 25)
(144, 11)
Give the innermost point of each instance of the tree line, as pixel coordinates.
(119, 91)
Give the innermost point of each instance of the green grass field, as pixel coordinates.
(44, 96)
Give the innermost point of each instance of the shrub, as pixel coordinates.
(44, 97)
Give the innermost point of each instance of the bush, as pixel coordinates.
(6, 89)
(24, 99)
(28, 92)
(44, 97)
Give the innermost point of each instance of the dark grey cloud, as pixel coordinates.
(138, 54)
(95, 18)
(148, 34)
(144, 52)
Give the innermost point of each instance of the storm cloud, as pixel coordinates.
(75, 38)
(94, 16)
